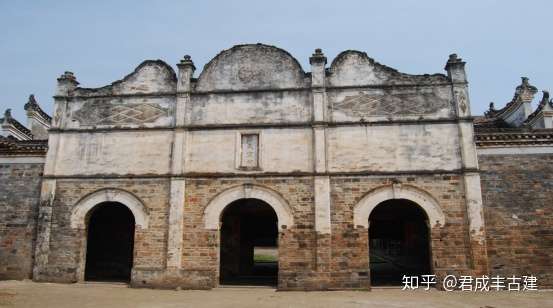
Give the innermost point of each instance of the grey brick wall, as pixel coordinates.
(517, 192)
(19, 198)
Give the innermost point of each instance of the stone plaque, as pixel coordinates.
(250, 151)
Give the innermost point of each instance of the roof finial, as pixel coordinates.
(525, 91)
(31, 102)
(317, 57)
(186, 61)
(455, 68)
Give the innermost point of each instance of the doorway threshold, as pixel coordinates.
(245, 286)
(106, 283)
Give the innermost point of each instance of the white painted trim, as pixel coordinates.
(363, 209)
(81, 209)
(9, 129)
(322, 204)
(176, 215)
(22, 160)
(515, 150)
(33, 115)
(213, 211)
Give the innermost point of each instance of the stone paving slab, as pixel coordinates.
(84, 295)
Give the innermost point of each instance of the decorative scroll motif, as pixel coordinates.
(248, 74)
(57, 117)
(363, 104)
(102, 112)
(462, 98)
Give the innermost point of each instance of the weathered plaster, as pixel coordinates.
(393, 148)
(256, 107)
(282, 150)
(247, 67)
(176, 214)
(124, 152)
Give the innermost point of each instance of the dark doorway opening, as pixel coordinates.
(399, 242)
(249, 244)
(110, 243)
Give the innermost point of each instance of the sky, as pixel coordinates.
(102, 41)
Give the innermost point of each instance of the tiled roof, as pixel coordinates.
(544, 101)
(489, 137)
(525, 91)
(20, 127)
(12, 146)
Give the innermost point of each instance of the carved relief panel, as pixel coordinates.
(97, 113)
(122, 112)
(379, 103)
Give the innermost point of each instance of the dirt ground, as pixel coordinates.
(30, 294)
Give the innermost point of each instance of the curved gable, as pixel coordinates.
(355, 68)
(151, 76)
(251, 67)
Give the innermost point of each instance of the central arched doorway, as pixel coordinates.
(399, 242)
(249, 244)
(110, 243)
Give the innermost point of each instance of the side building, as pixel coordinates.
(515, 153)
(22, 156)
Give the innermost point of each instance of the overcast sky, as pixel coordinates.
(102, 41)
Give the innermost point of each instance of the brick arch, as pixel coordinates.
(363, 209)
(83, 207)
(213, 211)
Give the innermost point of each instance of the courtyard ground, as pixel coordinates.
(83, 295)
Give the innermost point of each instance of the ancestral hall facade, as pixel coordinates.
(256, 171)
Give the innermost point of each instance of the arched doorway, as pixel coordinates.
(249, 243)
(399, 242)
(110, 243)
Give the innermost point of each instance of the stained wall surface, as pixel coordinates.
(254, 124)
(517, 191)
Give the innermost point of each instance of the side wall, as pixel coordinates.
(19, 199)
(517, 191)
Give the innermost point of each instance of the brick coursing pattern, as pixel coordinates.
(296, 244)
(67, 244)
(517, 192)
(308, 260)
(450, 247)
(19, 199)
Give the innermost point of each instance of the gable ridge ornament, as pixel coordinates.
(8, 114)
(525, 91)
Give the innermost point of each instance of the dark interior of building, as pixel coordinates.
(249, 244)
(110, 241)
(398, 242)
